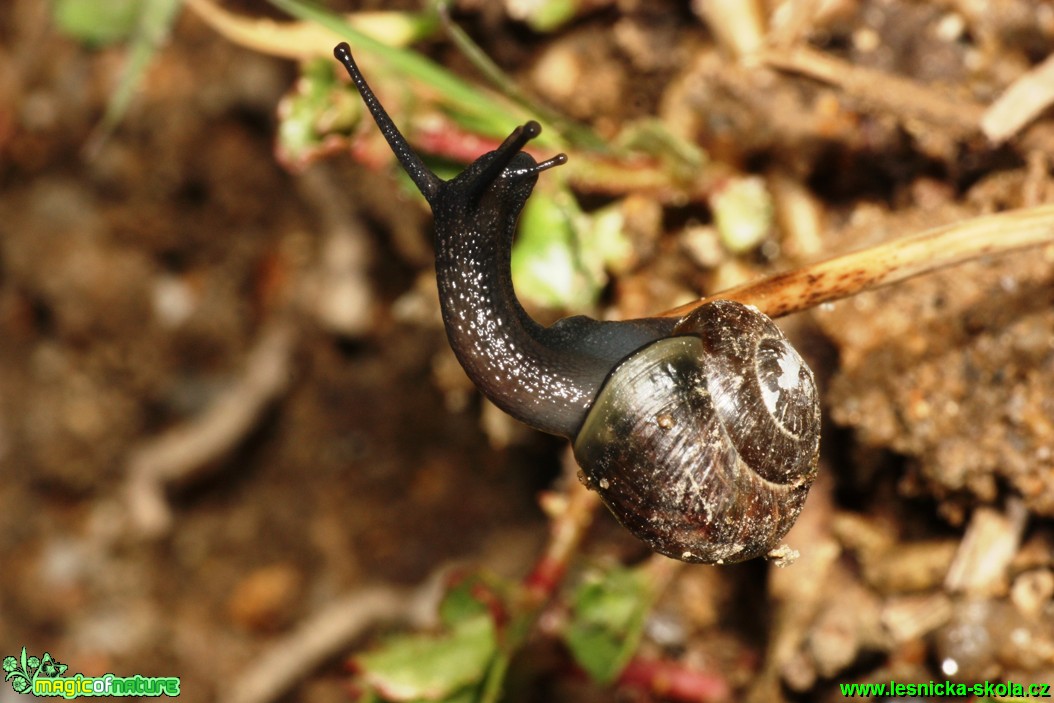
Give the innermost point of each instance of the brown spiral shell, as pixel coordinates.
(704, 444)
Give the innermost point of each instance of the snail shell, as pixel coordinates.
(705, 445)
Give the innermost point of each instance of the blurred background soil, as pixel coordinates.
(174, 277)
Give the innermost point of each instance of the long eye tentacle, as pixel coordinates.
(426, 181)
(499, 159)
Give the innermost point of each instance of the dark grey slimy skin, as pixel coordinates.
(545, 377)
(700, 434)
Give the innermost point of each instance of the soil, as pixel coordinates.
(146, 274)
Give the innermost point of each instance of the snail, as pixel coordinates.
(700, 434)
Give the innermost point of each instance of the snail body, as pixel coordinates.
(700, 434)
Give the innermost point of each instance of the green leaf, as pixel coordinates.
(460, 604)
(562, 255)
(743, 213)
(607, 620)
(432, 668)
(604, 243)
(548, 15)
(680, 157)
(316, 107)
(96, 22)
(545, 266)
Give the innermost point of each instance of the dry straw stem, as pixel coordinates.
(291, 40)
(881, 92)
(298, 40)
(892, 262)
(1022, 102)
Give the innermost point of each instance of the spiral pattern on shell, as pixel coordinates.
(704, 444)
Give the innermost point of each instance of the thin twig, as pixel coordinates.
(327, 633)
(290, 40)
(303, 40)
(738, 25)
(890, 263)
(981, 568)
(187, 451)
(1019, 104)
(880, 91)
(790, 22)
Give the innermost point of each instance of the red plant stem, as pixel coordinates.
(674, 681)
(565, 533)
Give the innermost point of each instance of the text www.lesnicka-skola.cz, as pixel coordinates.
(989, 689)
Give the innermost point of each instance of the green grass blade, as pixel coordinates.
(457, 95)
(152, 28)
